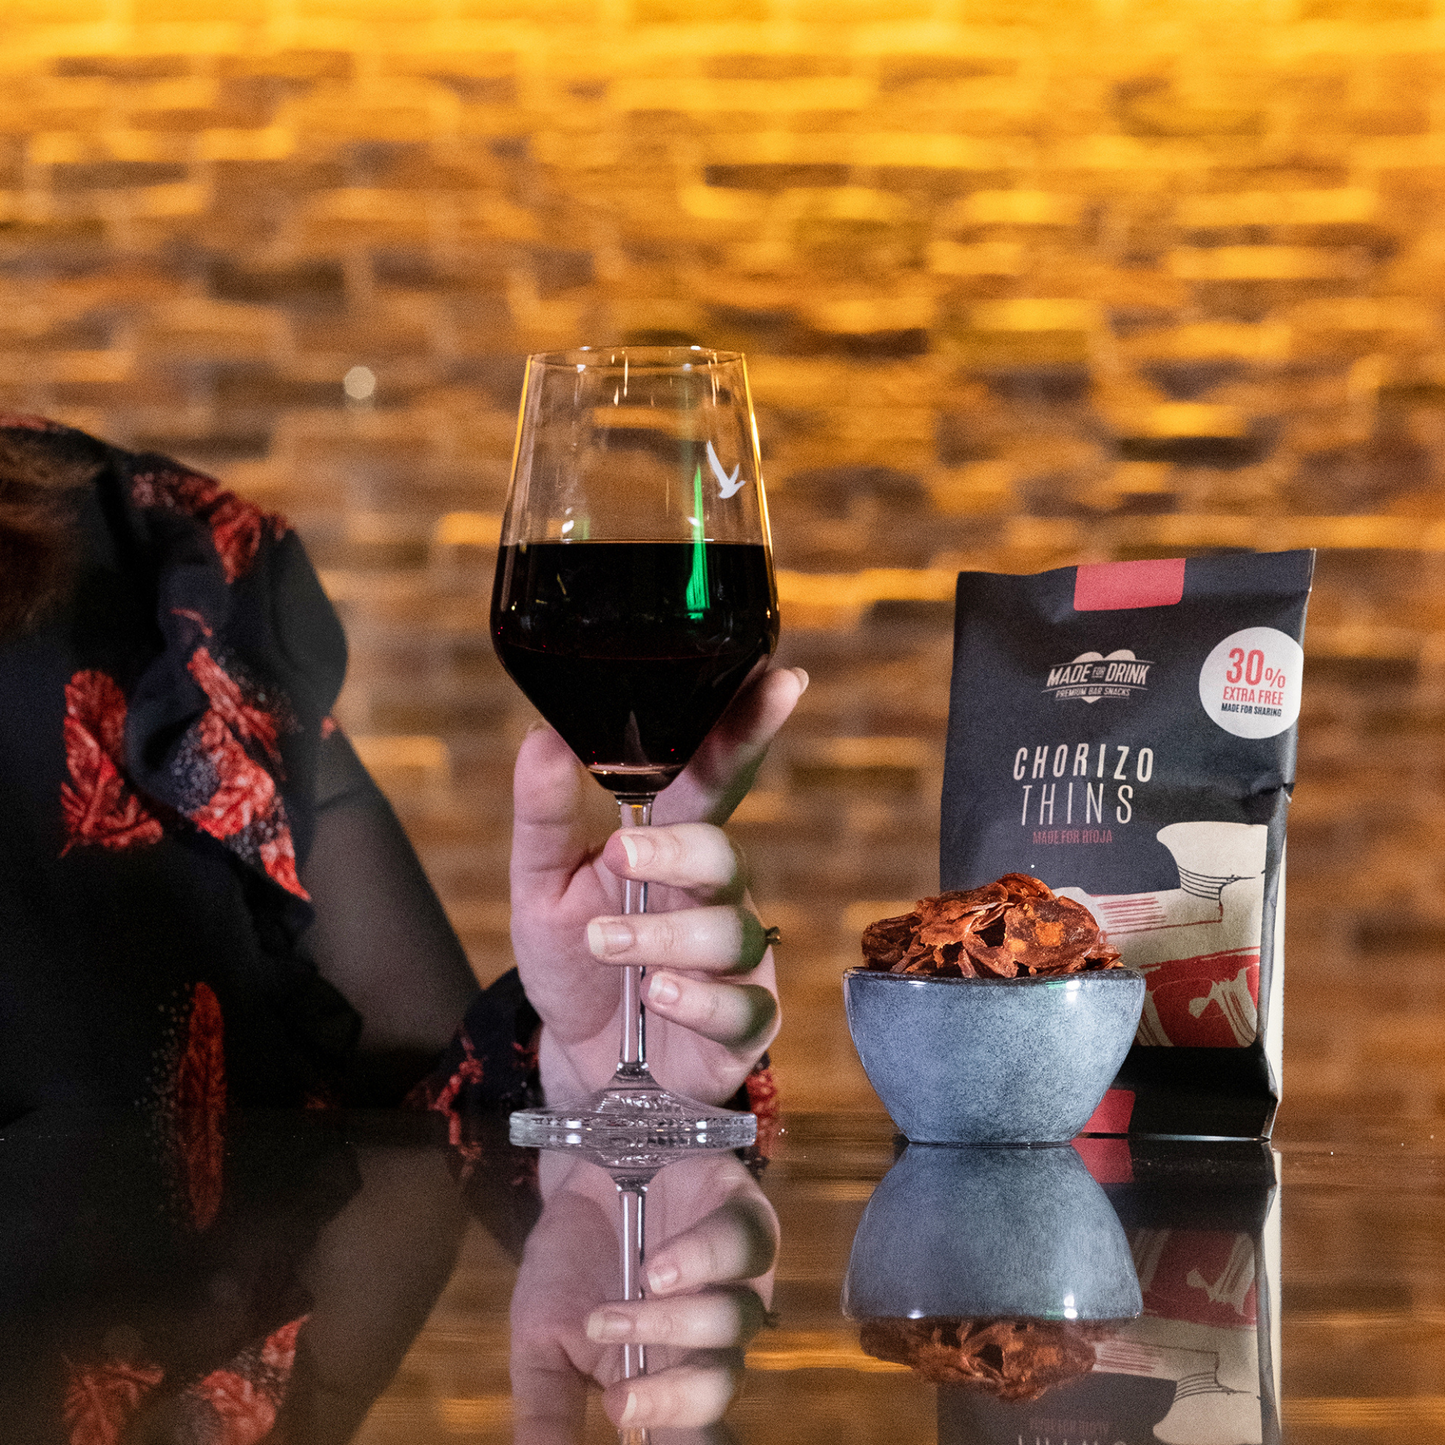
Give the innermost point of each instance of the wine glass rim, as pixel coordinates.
(644, 357)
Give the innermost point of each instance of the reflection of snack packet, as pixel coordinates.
(1007, 1359)
(1203, 1231)
(1014, 928)
(1127, 730)
(1200, 1365)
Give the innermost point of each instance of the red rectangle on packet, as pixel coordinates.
(1110, 586)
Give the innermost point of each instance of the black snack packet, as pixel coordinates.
(1126, 732)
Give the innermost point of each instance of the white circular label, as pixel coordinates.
(1250, 683)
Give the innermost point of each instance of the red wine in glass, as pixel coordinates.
(633, 650)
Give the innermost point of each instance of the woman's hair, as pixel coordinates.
(37, 538)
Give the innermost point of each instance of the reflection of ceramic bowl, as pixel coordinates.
(992, 1061)
(990, 1232)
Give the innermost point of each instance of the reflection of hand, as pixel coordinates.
(705, 1033)
(708, 1281)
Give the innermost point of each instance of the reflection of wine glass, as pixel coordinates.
(634, 597)
(707, 1218)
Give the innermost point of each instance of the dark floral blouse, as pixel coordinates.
(166, 757)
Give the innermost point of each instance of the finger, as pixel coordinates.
(738, 1016)
(695, 857)
(737, 1241)
(724, 767)
(552, 882)
(719, 940)
(546, 847)
(685, 1397)
(713, 1320)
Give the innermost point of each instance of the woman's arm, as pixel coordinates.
(380, 933)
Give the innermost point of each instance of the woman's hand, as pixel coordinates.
(710, 987)
(711, 1241)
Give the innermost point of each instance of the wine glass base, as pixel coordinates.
(628, 1120)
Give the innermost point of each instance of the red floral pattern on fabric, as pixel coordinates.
(244, 810)
(235, 796)
(199, 1098)
(246, 791)
(526, 1054)
(762, 1090)
(279, 1351)
(98, 804)
(444, 1101)
(100, 1399)
(251, 724)
(278, 858)
(237, 528)
(239, 1403)
(234, 1405)
(191, 615)
(243, 1414)
(447, 1100)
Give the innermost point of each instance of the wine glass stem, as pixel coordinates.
(632, 1196)
(635, 813)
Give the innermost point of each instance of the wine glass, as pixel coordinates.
(634, 596)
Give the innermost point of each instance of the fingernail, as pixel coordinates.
(802, 678)
(609, 935)
(639, 849)
(661, 1277)
(607, 1325)
(663, 989)
(629, 1410)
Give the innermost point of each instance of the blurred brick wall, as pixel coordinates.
(1022, 282)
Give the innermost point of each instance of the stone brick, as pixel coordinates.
(831, 98)
(774, 66)
(776, 177)
(115, 175)
(168, 12)
(899, 71)
(353, 12)
(211, 448)
(211, 329)
(125, 67)
(21, 13)
(310, 284)
(260, 387)
(1269, 263)
(652, 12)
(245, 181)
(1365, 11)
(301, 66)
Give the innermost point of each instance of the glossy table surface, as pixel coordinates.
(1291, 1291)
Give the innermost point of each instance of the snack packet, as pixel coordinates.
(1126, 732)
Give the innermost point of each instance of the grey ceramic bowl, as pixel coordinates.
(992, 1061)
(990, 1230)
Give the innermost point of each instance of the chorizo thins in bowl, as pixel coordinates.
(995, 1015)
